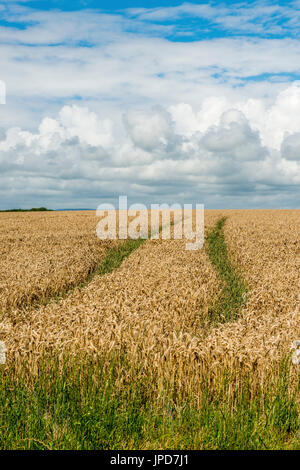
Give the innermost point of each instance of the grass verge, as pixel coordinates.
(88, 404)
(228, 305)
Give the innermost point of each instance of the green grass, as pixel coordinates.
(228, 305)
(84, 406)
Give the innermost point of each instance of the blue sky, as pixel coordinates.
(192, 20)
(114, 5)
(165, 101)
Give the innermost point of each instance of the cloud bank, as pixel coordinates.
(221, 153)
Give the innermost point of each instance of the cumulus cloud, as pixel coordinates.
(160, 152)
(290, 148)
(153, 131)
(234, 137)
(283, 117)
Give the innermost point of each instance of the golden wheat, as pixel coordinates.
(161, 289)
(266, 248)
(155, 307)
(45, 253)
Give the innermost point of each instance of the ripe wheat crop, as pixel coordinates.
(141, 335)
(43, 254)
(265, 247)
(138, 307)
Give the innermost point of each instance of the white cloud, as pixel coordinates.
(153, 131)
(290, 148)
(80, 122)
(283, 117)
(234, 138)
(78, 155)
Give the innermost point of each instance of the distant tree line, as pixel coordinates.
(33, 209)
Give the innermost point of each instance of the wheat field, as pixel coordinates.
(44, 253)
(265, 246)
(151, 317)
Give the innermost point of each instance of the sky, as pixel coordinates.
(162, 101)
